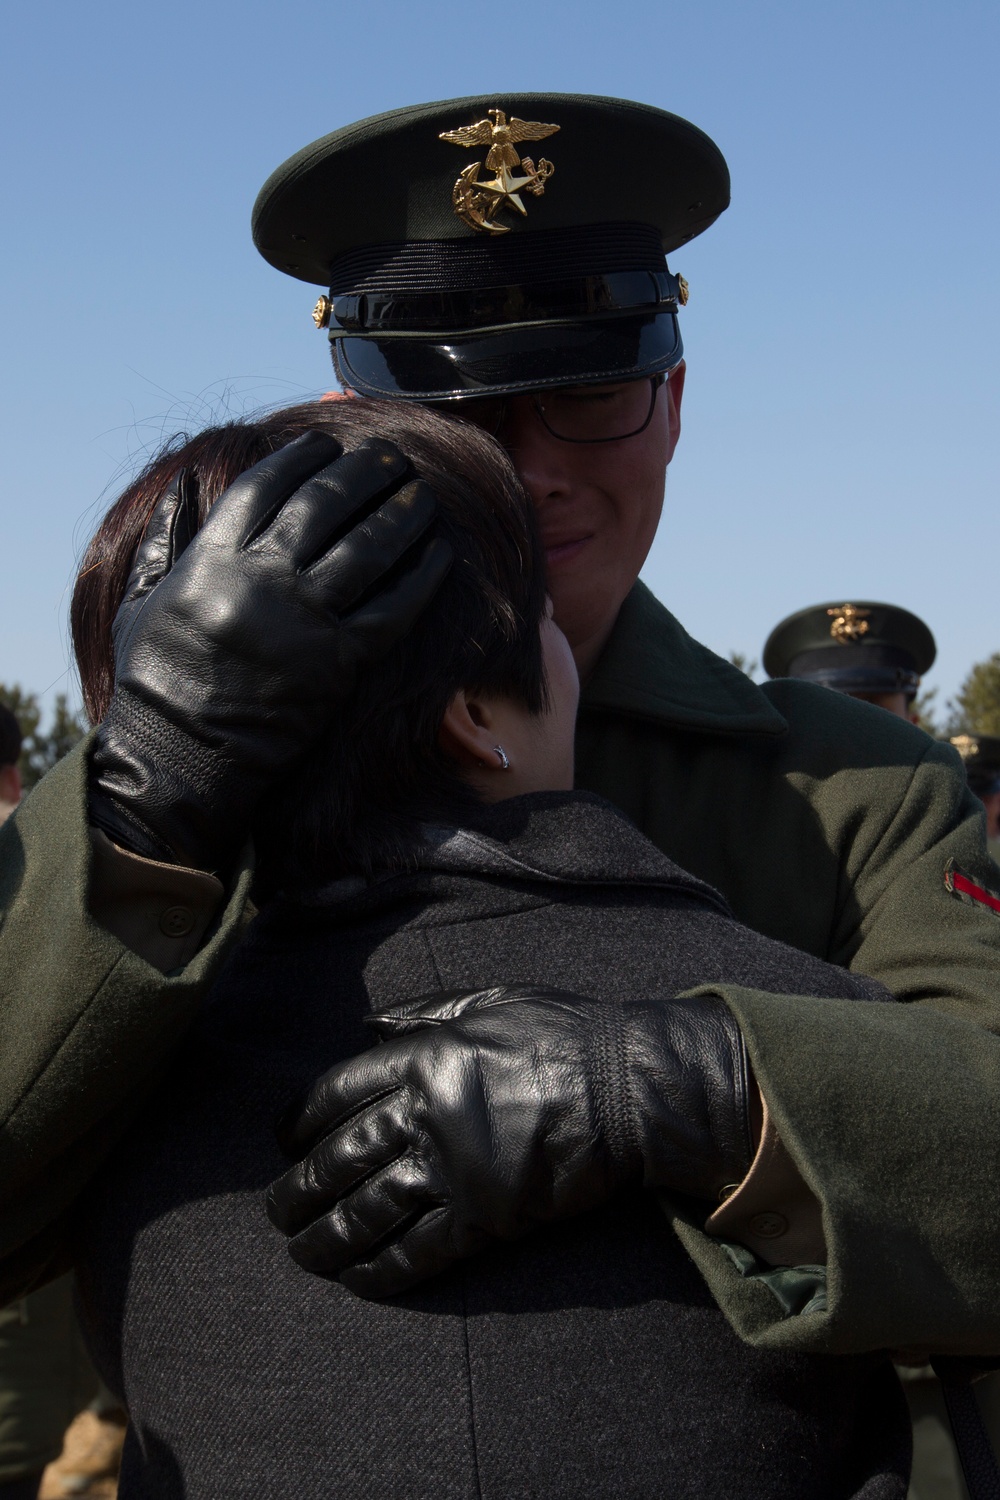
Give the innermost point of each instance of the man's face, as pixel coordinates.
(598, 508)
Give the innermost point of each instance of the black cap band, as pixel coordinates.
(468, 264)
(858, 669)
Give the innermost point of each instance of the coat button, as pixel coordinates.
(176, 921)
(768, 1226)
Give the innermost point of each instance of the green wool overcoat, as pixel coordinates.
(825, 822)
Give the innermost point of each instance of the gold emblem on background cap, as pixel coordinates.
(966, 746)
(321, 312)
(684, 291)
(849, 623)
(477, 203)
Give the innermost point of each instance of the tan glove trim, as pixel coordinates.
(773, 1212)
(160, 911)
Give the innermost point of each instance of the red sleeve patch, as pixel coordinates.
(966, 889)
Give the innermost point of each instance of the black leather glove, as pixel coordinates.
(233, 652)
(487, 1114)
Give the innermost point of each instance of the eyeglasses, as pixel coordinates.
(574, 414)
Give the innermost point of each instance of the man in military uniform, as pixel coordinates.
(534, 298)
(875, 652)
(981, 757)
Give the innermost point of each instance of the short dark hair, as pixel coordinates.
(10, 737)
(357, 802)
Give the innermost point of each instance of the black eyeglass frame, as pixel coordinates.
(454, 409)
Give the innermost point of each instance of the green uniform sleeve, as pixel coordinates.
(84, 1021)
(891, 1112)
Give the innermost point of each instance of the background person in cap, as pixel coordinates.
(531, 295)
(875, 652)
(981, 757)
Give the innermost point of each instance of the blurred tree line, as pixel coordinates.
(42, 747)
(975, 708)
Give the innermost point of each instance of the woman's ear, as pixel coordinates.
(468, 733)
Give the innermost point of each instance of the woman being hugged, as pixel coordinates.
(503, 1218)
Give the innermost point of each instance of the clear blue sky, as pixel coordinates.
(843, 335)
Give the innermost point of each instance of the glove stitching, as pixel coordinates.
(194, 763)
(613, 1100)
(741, 1084)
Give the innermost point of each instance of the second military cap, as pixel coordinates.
(462, 262)
(860, 647)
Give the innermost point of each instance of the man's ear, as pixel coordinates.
(675, 394)
(467, 734)
(10, 785)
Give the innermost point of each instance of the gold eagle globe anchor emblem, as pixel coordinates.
(478, 203)
(849, 623)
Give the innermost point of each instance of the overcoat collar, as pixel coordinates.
(652, 669)
(557, 838)
(542, 839)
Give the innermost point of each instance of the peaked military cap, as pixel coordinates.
(981, 757)
(864, 647)
(458, 264)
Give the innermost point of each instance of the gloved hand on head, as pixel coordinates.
(234, 647)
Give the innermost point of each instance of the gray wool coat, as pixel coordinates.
(586, 1360)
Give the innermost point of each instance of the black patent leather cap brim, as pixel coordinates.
(504, 361)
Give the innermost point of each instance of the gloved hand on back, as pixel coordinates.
(485, 1115)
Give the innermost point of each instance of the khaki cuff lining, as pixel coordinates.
(161, 912)
(773, 1212)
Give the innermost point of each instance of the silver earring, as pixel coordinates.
(499, 751)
